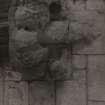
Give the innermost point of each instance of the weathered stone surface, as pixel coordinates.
(1, 92)
(27, 55)
(41, 93)
(23, 38)
(37, 73)
(32, 15)
(1, 74)
(16, 93)
(97, 47)
(72, 92)
(87, 26)
(55, 33)
(96, 103)
(96, 77)
(96, 5)
(1, 86)
(79, 61)
(12, 75)
(29, 43)
(61, 69)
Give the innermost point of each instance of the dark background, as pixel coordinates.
(4, 35)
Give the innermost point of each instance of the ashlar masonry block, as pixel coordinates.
(87, 26)
(16, 93)
(41, 93)
(1, 86)
(79, 62)
(96, 78)
(96, 5)
(72, 92)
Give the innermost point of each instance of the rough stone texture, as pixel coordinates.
(37, 73)
(87, 26)
(31, 46)
(1, 86)
(96, 103)
(32, 16)
(41, 93)
(13, 76)
(61, 69)
(55, 33)
(1, 92)
(96, 48)
(79, 61)
(72, 92)
(42, 42)
(96, 5)
(96, 78)
(26, 55)
(16, 93)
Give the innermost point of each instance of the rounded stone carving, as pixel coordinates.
(26, 19)
(35, 29)
(41, 33)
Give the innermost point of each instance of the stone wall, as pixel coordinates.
(87, 60)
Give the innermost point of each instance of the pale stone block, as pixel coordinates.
(96, 78)
(16, 93)
(72, 92)
(41, 93)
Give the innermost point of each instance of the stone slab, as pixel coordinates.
(1, 86)
(96, 77)
(41, 93)
(72, 92)
(16, 93)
